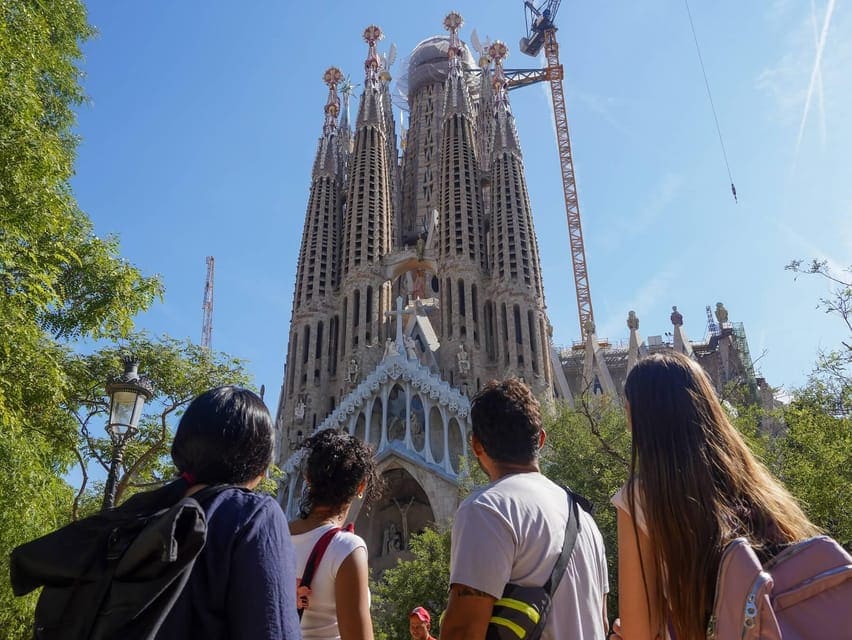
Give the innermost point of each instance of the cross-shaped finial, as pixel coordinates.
(399, 313)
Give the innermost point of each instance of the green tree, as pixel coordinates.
(814, 455)
(179, 370)
(58, 282)
(815, 460)
(588, 449)
(424, 581)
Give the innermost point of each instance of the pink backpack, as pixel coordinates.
(803, 593)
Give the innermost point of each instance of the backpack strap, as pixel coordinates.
(572, 528)
(205, 496)
(317, 553)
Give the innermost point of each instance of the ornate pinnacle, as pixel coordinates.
(452, 23)
(332, 77)
(499, 52)
(372, 35)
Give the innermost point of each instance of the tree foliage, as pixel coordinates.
(588, 450)
(57, 280)
(814, 460)
(423, 581)
(179, 370)
(814, 455)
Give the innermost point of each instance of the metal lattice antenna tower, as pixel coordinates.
(207, 306)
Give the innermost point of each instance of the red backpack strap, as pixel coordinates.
(319, 551)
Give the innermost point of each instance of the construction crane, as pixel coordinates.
(207, 306)
(541, 33)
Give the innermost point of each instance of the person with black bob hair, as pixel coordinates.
(338, 468)
(243, 584)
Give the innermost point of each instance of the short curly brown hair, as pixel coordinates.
(506, 419)
(336, 464)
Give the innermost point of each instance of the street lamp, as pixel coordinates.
(127, 395)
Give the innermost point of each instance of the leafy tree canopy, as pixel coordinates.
(57, 280)
(422, 581)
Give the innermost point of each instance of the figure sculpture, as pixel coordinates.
(464, 362)
(632, 321)
(410, 348)
(299, 410)
(676, 317)
(390, 348)
(352, 371)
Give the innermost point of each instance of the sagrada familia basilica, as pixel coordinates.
(419, 279)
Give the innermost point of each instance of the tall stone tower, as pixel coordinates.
(418, 280)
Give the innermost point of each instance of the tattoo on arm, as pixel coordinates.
(463, 590)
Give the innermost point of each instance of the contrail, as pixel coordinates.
(820, 48)
(819, 88)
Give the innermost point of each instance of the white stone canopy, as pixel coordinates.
(400, 405)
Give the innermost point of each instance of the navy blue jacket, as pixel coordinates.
(243, 585)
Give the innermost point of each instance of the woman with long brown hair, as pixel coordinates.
(694, 486)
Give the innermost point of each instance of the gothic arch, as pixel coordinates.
(403, 509)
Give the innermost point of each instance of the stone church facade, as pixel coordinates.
(419, 280)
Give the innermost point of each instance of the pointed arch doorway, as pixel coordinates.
(404, 509)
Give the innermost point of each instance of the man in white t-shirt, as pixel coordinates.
(512, 530)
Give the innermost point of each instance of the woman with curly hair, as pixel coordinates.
(339, 467)
(694, 487)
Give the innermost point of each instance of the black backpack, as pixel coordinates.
(118, 573)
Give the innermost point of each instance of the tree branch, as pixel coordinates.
(75, 507)
(586, 411)
(151, 452)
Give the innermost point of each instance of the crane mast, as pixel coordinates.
(207, 306)
(542, 33)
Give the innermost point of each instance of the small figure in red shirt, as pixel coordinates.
(419, 622)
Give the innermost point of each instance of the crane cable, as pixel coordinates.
(710, 96)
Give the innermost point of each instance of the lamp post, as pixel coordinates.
(128, 393)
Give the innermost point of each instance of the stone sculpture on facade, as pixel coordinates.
(676, 317)
(299, 410)
(410, 348)
(463, 360)
(632, 321)
(353, 372)
(721, 314)
(390, 348)
(392, 541)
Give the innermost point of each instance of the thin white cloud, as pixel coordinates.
(819, 87)
(815, 72)
(808, 250)
(602, 107)
(657, 204)
(645, 300)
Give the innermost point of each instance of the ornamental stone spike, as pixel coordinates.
(332, 77)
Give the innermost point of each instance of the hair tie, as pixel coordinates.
(189, 477)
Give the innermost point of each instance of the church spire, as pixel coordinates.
(515, 251)
(368, 216)
(370, 110)
(310, 361)
(316, 272)
(459, 204)
(328, 153)
(456, 94)
(505, 133)
(515, 265)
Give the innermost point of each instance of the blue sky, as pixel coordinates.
(204, 119)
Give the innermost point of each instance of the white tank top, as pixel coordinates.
(319, 621)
